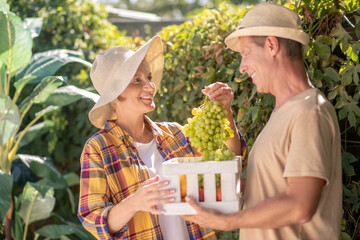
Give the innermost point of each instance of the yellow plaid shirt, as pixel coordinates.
(112, 170)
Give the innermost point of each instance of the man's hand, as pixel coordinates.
(221, 92)
(206, 217)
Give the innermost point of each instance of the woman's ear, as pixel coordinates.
(272, 44)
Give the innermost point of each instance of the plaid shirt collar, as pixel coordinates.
(111, 127)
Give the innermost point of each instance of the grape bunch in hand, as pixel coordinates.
(208, 130)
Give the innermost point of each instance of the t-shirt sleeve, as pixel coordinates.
(310, 147)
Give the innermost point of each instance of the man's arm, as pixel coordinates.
(296, 205)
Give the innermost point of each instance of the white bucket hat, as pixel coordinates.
(268, 19)
(113, 70)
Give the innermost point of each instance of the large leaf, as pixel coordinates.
(47, 63)
(4, 6)
(44, 168)
(5, 193)
(18, 224)
(19, 85)
(9, 118)
(53, 231)
(37, 203)
(15, 42)
(69, 94)
(2, 76)
(34, 25)
(42, 91)
(36, 131)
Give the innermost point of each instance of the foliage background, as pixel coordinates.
(195, 55)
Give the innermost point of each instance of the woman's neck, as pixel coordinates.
(137, 127)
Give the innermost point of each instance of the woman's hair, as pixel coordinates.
(293, 49)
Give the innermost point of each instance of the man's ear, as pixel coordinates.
(272, 44)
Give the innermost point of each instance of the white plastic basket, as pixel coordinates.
(191, 167)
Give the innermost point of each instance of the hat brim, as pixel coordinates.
(232, 41)
(152, 53)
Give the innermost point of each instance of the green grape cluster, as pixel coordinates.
(208, 130)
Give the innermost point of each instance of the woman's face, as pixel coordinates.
(138, 97)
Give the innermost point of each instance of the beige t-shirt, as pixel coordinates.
(301, 138)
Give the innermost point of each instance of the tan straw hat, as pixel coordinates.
(268, 19)
(113, 70)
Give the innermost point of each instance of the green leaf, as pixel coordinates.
(72, 179)
(354, 106)
(347, 75)
(34, 206)
(347, 159)
(42, 91)
(331, 74)
(15, 42)
(53, 231)
(44, 168)
(18, 225)
(2, 77)
(69, 94)
(20, 84)
(4, 6)
(342, 114)
(340, 33)
(345, 236)
(57, 231)
(35, 131)
(48, 63)
(34, 25)
(357, 29)
(47, 110)
(333, 93)
(322, 50)
(9, 119)
(5, 193)
(352, 119)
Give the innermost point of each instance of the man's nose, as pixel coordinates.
(242, 67)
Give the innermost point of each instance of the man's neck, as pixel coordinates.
(292, 80)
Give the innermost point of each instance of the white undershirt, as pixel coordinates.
(172, 227)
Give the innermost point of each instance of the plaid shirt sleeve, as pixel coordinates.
(94, 199)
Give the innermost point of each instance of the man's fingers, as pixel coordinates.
(192, 202)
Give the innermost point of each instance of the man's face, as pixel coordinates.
(256, 63)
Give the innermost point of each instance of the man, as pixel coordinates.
(294, 185)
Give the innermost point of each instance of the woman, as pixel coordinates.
(119, 186)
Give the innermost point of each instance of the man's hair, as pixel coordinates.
(293, 49)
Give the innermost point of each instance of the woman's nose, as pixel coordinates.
(150, 85)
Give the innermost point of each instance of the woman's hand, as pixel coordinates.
(144, 199)
(150, 194)
(220, 92)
